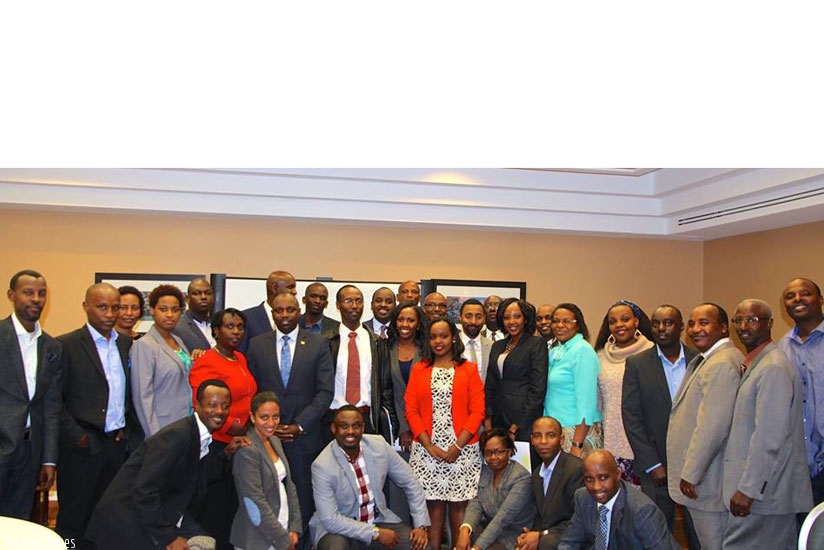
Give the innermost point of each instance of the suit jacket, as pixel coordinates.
(518, 397)
(486, 347)
(502, 512)
(636, 522)
(160, 382)
(644, 405)
(468, 409)
(336, 490)
(328, 326)
(382, 394)
(258, 321)
(555, 509)
(188, 331)
(311, 382)
(699, 425)
(399, 385)
(765, 457)
(86, 392)
(256, 525)
(153, 489)
(15, 406)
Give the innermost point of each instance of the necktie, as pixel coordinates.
(743, 369)
(285, 361)
(695, 363)
(472, 355)
(602, 533)
(383, 332)
(353, 372)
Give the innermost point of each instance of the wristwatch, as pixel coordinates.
(376, 532)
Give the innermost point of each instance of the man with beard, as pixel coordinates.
(194, 326)
(492, 331)
(476, 346)
(383, 302)
(316, 298)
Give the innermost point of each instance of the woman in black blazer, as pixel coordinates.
(516, 372)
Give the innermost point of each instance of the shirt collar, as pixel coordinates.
(715, 347)
(349, 459)
(574, 339)
(754, 353)
(611, 502)
(292, 335)
(97, 336)
(664, 357)
(21, 330)
(205, 436)
(794, 331)
(547, 470)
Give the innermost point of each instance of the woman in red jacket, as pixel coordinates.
(445, 408)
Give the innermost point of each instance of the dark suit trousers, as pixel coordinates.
(660, 496)
(18, 477)
(82, 478)
(300, 464)
(217, 509)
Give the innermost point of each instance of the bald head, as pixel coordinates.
(435, 306)
(409, 291)
(279, 282)
(601, 477)
(105, 287)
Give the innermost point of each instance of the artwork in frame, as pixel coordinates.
(457, 291)
(145, 282)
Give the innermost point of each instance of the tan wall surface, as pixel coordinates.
(759, 265)
(68, 248)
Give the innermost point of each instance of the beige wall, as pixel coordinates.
(68, 248)
(759, 265)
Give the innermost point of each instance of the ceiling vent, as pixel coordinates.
(759, 205)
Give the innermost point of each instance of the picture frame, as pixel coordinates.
(457, 291)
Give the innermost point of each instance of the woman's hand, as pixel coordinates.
(197, 353)
(463, 541)
(436, 452)
(452, 453)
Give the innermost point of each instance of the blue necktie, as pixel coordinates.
(603, 528)
(285, 361)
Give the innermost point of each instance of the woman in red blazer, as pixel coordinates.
(444, 409)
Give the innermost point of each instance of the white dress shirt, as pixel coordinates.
(341, 367)
(28, 349)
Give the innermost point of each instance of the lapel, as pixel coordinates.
(555, 479)
(279, 387)
(258, 443)
(617, 516)
(164, 348)
(658, 377)
(300, 351)
(687, 382)
(346, 470)
(538, 488)
(14, 355)
(90, 349)
(767, 349)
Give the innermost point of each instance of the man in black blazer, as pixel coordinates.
(316, 298)
(97, 421)
(147, 503)
(651, 379)
(304, 396)
(259, 318)
(29, 398)
(553, 484)
(194, 326)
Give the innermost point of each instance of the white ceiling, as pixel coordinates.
(681, 203)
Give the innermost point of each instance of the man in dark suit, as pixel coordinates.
(96, 422)
(194, 326)
(145, 504)
(29, 398)
(651, 380)
(371, 392)
(554, 484)
(383, 302)
(304, 388)
(611, 515)
(316, 298)
(259, 318)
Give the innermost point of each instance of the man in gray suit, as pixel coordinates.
(29, 398)
(476, 345)
(765, 467)
(194, 326)
(348, 478)
(700, 423)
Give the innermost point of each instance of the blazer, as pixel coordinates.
(188, 331)
(699, 425)
(86, 392)
(636, 522)
(382, 394)
(15, 406)
(555, 508)
(328, 326)
(502, 512)
(644, 404)
(765, 457)
(518, 397)
(399, 385)
(468, 410)
(160, 382)
(258, 321)
(336, 490)
(256, 525)
(311, 382)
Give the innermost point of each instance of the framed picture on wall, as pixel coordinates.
(145, 282)
(457, 291)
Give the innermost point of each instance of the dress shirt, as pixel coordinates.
(610, 505)
(363, 342)
(314, 328)
(376, 326)
(674, 372)
(109, 355)
(546, 471)
(808, 359)
(365, 491)
(473, 342)
(205, 437)
(293, 337)
(268, 309)
(28, 349)
(206, 328)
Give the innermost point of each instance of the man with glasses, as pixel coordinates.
(435, 306)
(765, 466)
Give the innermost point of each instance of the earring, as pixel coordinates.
(611, 339)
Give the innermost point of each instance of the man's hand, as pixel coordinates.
(235, 444)
(178, 544)
(464, 541)
(659, 476)
(487, 424)
(45, 478)
(293, 539)
(528, 540)
(513, 431)
(406, 440)
(287, 432)
(196, 354)
(389, 538)
(418, 538)
(740, 504)
(688, 489)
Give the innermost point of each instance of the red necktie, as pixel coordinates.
(353, 372)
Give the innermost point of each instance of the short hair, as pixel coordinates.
(670, 306)
(313, 285)
(421, 336)
(201, 389)
(193, 281)
(546, 417)
(644, 324)
(496, 432)
(166, 290)
(346, 408)
(217, 319)
(723, 318)
(263, 397)
(472, 302)
(457, 344)
(579, 317)
(765, 307)
(383, 288)
(815, 286)
(23, 273)
(344, 287)
(128, 289)
(527, 310)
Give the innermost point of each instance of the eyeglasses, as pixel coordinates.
(565, 322)
(351, 301)
(495, 453)
(749, 320)
(435, 306)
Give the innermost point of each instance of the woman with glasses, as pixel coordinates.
(445, 408)
(130, 312)
(504, 505)
(625, 331)
(572, 383)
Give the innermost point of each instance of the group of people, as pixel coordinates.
(274, 427)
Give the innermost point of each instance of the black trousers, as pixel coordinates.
(18, 477)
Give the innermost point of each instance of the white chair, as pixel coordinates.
(812, 530)
(17, 533)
